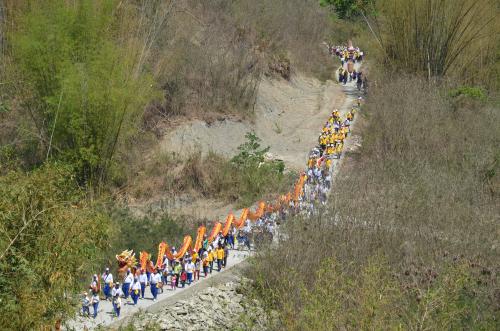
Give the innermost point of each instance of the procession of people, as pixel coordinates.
(215, 251)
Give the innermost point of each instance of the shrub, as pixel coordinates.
(472, 92)
(50, 236)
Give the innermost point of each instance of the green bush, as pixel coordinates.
(469, 91)
(242, 180)
(50, 237)
(81, 85)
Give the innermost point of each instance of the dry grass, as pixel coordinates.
(457, 39)
(410, 239)
(210, 176)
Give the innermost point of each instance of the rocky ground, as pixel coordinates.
(221, 307)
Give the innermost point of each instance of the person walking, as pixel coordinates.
(95, 302)
(205, 263)
(173, 282)
(197, 269)
(95, 285)
(116, 292)
(117, 304)
(107, 279)
(189, 271)
(211, 260)
(143, 280)
(177, 272)
(155, 281)
(127, 282)
(183, 278)
(85, 305)
(135, 290)
(220, 257)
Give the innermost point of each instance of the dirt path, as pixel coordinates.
(106, 318)
(301, 119)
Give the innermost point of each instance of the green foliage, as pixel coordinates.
(4, 107)
(49, 238)
(251, 155)
(346, 9)
(142, 233)
(86, 96)
(256, 174)
(469, 91)
(250, 151)
(244, 179)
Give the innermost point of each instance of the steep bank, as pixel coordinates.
(288, 116)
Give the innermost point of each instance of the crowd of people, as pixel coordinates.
(348, 56)
(213, 254)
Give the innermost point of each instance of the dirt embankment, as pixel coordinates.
(288, 117)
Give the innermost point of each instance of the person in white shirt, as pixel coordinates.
(127, 282)
(107, 279)
(136, 288)
(116, 294)
(95, 302)
(85, 305)
(328, 180)
(155, 281)
(189, 271)
(117, 304)
(143, 280)
(116, 290)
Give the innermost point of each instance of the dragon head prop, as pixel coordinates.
(126, 260)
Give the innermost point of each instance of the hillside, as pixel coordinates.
(135, 125)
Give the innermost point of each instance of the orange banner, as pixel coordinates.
(162, 250)
(227, 224)
(143, 259)
(199, 238)
(215, 230)
(246, 213)
(186, 245)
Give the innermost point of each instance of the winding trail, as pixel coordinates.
(236, 260)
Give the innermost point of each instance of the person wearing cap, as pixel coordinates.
(127, 282)
(95, 302)
(135, 290)
(143, 280)
(107, 278)
(117, 304)
(116, 290)
(155, 280)
(85, 304)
